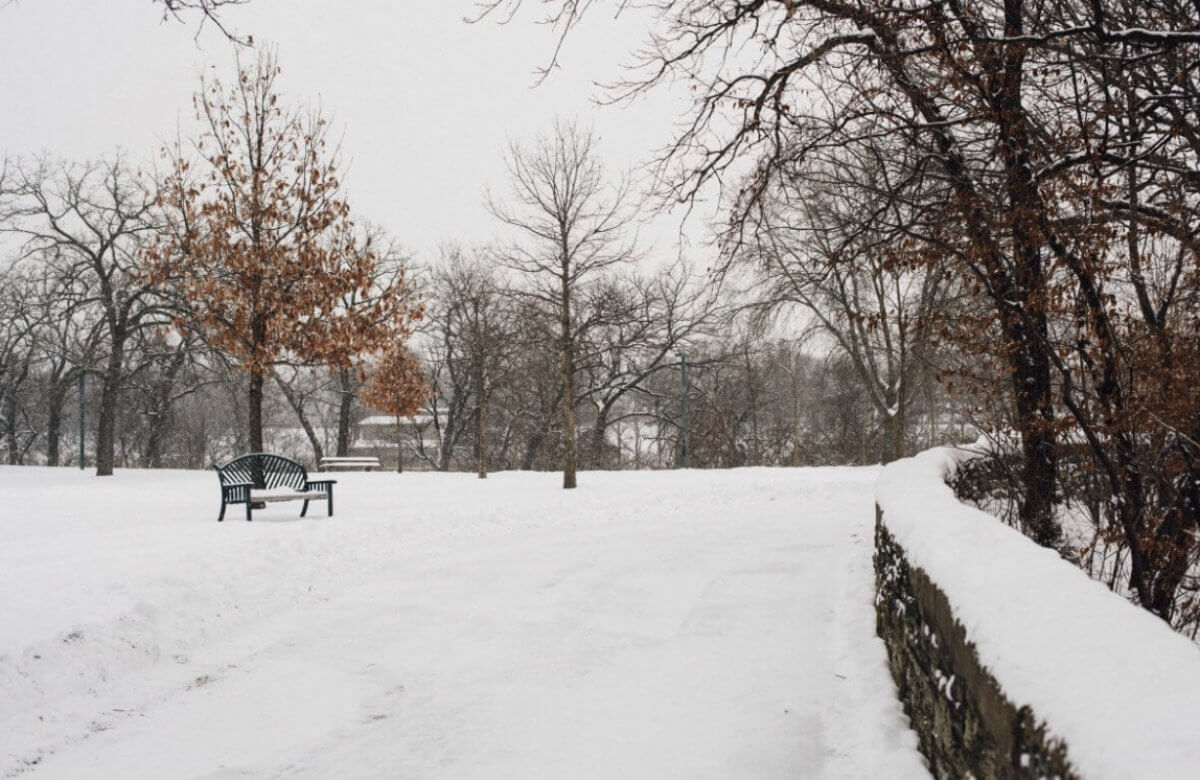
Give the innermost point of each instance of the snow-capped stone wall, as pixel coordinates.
(965, 724)
(1011, 662)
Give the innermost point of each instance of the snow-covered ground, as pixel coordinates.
(647, 625)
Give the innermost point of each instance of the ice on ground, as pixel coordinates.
(646, 625)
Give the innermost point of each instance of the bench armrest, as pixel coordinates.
(315, 482)
(236, 491)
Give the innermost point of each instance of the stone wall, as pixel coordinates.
(965, 724)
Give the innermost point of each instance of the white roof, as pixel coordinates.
(387, 419)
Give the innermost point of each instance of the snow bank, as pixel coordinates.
(1108, 679)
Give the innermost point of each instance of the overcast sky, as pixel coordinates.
(423, 101)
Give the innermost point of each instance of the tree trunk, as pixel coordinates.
(399, 446)
(56, 399)
(53, 429)
(1032, 388)
(449, 440)
(894, 430)
(755, 449)
(1028, 333)
(568, 382)
(796, 434)
(481, 424)
(345, 410)
(532, 447)
(160, 415)
(106, 424)
(10, 432)
(297, 404)
(159, 424)
(596, 445)
(1173, 543)
(255, 423)
(152, 455)
(506, 441)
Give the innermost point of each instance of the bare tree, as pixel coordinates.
(69, 340)
(209, 12)
(634, 327)
(479, 317)
(571, 224)
(814, 246)
(18, 323)
(91, 220)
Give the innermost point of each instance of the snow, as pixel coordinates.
(1109, 678)
(684, 624)
(287, 492)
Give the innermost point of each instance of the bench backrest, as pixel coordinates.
(264, 471)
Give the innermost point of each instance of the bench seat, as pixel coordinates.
(286, 495)
(365, 463)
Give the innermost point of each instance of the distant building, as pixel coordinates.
(378, 435)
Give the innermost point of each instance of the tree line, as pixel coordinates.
(226, 301)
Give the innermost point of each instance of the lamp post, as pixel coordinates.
(683, 403)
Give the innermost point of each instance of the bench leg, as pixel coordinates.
(304, 509)
(329, 509)
(221, 517)
(249, 506)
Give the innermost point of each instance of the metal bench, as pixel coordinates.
(258, 479)
(364, 463)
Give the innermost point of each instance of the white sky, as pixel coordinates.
(423, 101)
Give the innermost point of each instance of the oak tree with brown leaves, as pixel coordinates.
(259, 239)
(397, 387)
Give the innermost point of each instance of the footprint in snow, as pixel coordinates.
(201, 681)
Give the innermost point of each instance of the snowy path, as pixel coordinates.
(696, 625)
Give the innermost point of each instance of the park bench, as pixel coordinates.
(258, 479)
(350, 463)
